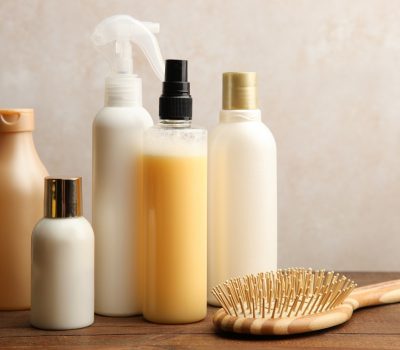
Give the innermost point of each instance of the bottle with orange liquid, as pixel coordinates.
(175, 207)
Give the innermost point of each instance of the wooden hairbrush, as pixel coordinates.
(294, 301)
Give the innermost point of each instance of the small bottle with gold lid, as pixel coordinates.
(62, 260)
(242, 199)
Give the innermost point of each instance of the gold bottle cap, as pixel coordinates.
(62, 197)
(16, 120)
(239, 90)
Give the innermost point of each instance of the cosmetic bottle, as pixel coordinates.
(175, 208)
(117, 146)
(62, 260)
(21, 205)
(242, 188)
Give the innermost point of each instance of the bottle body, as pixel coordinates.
(21, 206)
(175, 223)
(117, 145)
(62, 273)
(242, 207)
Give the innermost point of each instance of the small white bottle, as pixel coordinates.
(62, 260)
(117, 147)
(242, 188)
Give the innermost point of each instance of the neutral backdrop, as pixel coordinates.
(329, 86)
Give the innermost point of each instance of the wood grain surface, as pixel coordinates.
(370, 328)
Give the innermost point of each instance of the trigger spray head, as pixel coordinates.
(123, 63)
(114, 37)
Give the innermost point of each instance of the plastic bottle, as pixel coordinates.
(242, 203)
(62, 260)
(117, 143)
(21, 205)
(175, 207)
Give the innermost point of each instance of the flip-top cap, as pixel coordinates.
(16, 120)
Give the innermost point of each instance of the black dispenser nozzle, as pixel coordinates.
(175, 101)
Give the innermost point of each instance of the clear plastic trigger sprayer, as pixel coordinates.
(114, 37)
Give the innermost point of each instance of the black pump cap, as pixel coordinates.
(175, 101)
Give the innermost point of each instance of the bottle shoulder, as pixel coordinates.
(64, 229)
(19, 157)
(161, 131)
(30, 167)
(179, 141)
(248, 132)
(23, 176)
(123, 116)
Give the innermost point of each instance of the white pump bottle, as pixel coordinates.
(117, 143)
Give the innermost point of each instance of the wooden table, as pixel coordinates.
(373, 328)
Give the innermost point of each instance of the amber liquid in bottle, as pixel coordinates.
(175, 208)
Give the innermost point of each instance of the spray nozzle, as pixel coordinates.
(175, 101)
(114, 35)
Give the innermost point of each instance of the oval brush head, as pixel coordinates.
(287, 301)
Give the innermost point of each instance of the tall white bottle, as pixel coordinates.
(117, 144)
(242, 187)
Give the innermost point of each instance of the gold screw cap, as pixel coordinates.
(239, 90)
(62, 197)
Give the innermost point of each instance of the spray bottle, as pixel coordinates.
(175, 207)
(117, 144)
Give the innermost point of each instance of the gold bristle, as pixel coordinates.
(314, 303)
(324, 301)
(273, 310)
(320, 303)
(223, 295)
(293, 305)
(285, 293)
(263, 308)
(221, 301)
(304, 298)
(233, 305)
(308, 304)
(242, 306)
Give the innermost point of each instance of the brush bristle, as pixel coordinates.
(285, 293)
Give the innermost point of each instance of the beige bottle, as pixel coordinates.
(21, 205)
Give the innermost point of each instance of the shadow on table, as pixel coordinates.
(236, 336)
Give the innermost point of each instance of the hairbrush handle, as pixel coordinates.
(375, 294)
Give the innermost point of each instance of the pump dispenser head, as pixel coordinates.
(175, 101)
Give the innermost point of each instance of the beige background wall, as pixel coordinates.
(329, 77)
